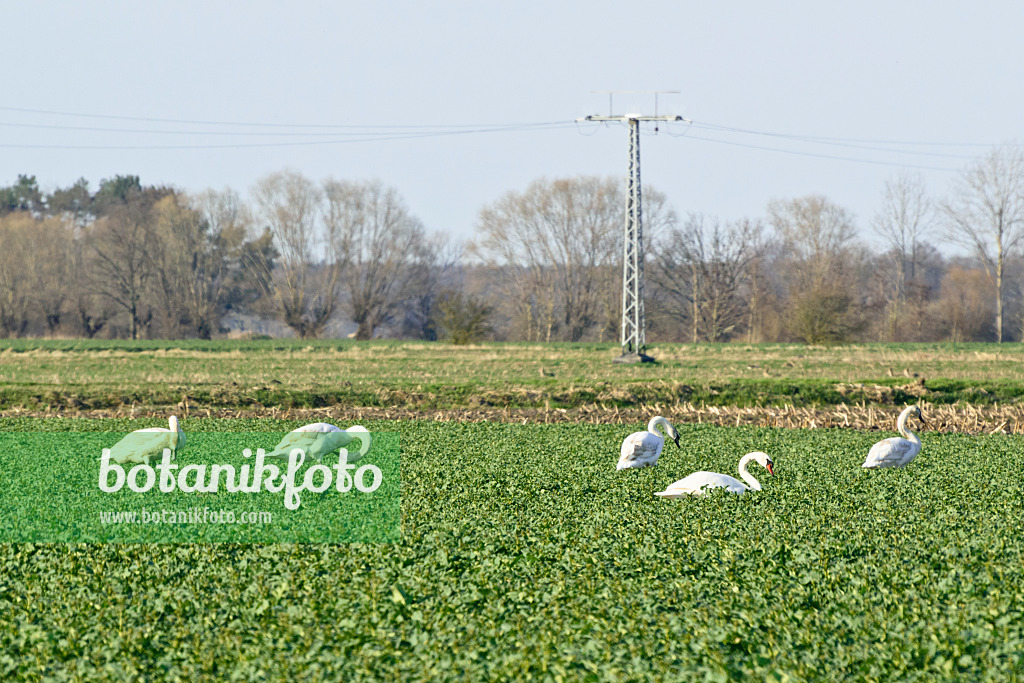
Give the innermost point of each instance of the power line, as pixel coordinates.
(382, 137)
(819, 155)
(836, 142)
(311, 134)
(151, 131)
(200, 122)
(824, 156)
(824, 139)
(426, 127)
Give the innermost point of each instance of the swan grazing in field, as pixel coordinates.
(143, 444)
(642, 449)
(698, 483)
(319, 439)
(896, 451)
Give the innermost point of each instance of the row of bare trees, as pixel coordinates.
(138, 261)
(351, 245)
(322, 258)
(550, 259)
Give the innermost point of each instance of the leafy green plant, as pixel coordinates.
(525, 554)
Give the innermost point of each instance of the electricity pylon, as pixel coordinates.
(634, 343)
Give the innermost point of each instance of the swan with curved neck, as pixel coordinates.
(320, 438)
(641, 449)
(700, 483)
(897, 451)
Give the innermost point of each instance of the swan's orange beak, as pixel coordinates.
(770, 469)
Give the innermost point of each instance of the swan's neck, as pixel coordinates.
(752, 483)
(653, 425)
(901, 426)
(173, 424)
(364, 441)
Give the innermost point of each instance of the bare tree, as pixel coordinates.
(301, 288)
(16, 306)
(192, 266)
(90, 309)
(35, 272)
(228, 221)
(440, 271)
(558, 246)
(765, 292)
(965, 308)
(223, 212)
(905, 216)
(389, 261)
(702, 267)
(818, 237)
(986, 215)
(51, 263)
(122, 267)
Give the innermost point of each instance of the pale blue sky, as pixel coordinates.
(948, 74)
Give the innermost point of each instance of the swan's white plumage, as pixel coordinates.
(700, 483)
(642, 449)
(896, 451)
(147, 444)
(892, 452)
(320, 438)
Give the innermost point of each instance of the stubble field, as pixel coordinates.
(113, 376)
(524, 554)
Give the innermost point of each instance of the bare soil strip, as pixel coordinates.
(962, 418)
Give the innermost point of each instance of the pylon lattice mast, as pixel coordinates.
(634, 343)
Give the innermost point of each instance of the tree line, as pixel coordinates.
(313, 258)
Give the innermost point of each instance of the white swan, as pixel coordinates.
(896, 451)
(698, 483)
(319, 439)
(641, 449)
(143, 444)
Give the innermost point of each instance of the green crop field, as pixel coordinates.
(525, 555)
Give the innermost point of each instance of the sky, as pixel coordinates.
(458, 103)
